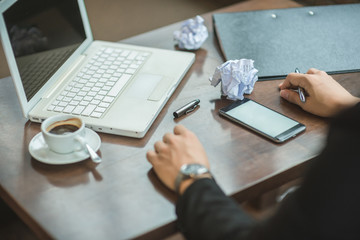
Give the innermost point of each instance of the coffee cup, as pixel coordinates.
(64, 133)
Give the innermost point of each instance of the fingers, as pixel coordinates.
(159, 146)
(292, 81)
(167, 138)
(162, 147)
(291, 96)
(313, 71)
(179, 129)
(151, 156)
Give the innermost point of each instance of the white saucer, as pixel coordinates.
(41, 152)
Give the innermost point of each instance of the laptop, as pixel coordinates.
(57, 68)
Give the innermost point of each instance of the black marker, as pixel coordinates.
(187, 108)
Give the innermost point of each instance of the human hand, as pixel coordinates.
(175, 150)
(324, 96)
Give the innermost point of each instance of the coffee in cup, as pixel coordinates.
(65, 126)
(62, 133)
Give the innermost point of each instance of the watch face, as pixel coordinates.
(193, 169)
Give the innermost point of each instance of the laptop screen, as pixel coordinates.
(43, 35)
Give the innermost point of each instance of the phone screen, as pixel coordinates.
(262, 119)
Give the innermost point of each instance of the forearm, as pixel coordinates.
(205, 212)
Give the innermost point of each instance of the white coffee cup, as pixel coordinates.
(64, 133)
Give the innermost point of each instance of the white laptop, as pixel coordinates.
(58, 68)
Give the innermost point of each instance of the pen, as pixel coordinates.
(186, 108)
(301, 90)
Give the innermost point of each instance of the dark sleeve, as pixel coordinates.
(204, 212)
(326, 206)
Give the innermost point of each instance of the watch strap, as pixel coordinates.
(179, 178)
(182, 177)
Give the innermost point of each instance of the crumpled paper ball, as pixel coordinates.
(192, 34)
(237, 78)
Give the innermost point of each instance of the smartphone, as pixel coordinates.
(262, 120)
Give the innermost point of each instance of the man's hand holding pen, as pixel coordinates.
(325, 96)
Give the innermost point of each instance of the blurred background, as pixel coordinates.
(113, 20)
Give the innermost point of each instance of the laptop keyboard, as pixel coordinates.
(97, 85)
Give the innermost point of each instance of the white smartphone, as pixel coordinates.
(262, 120)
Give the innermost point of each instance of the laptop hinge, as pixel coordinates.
(79, 61)
(4, 5)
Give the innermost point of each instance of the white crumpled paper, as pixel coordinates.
(192, 34)
(237, 78)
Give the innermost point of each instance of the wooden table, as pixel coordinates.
(121, 198)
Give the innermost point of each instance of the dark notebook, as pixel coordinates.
(280, 40)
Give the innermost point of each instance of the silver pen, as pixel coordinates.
(300, 89)
(187, 108)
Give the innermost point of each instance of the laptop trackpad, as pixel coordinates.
(148, 87)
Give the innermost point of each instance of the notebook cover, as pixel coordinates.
(280, 40)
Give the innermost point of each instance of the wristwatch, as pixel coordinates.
(187, 171)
